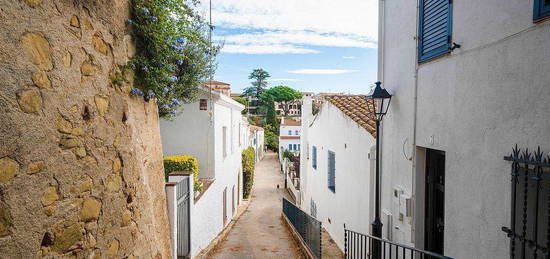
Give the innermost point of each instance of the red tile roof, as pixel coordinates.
(357, 108)
(291, 122)
(255, 128)
(289, 137)
(216, 83)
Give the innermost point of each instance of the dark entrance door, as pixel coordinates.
(435, 201)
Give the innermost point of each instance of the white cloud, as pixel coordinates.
(284, 80)
(297, 38)
(322, 71)
(349, 57)
(266, 49)
(300, 23)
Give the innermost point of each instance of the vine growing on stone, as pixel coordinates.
(174, 56)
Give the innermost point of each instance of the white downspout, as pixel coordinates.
(415, 110)
(381, 54)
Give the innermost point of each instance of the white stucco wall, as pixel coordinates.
(190, 133)
(475, 104)
(349, 204)
(186, 135)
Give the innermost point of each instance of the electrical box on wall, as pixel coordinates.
(405, 206)
(409, 205)
(388, 225)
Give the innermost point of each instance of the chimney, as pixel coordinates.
(307, 111)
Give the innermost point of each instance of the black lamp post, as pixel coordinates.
(381, 99)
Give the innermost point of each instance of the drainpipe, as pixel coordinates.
(415, 110)
(381, 54)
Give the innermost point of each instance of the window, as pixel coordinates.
(331, 171)
(290, 132)
(314, 157)
(542, 9)
(313, 208)
(296, 133)
(294, 146)
(289, 146)
(298, 147)
(224, 145)
(434, 29)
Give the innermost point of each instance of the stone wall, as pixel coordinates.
(81, 171)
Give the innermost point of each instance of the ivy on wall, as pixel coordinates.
(174, 55)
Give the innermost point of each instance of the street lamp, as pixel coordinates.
(381, 99)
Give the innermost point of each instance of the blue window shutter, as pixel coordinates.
(314, 157)
(434, 29)
(289, 146)
(331, 171)
(541, 9)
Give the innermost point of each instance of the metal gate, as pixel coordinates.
(182, 194)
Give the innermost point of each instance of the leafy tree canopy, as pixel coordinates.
(244, 102)
(282, 93)
(173, 55)
(259, 83)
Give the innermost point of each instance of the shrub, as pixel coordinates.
(289, 155)
(180, 164)
(249, 162)
(271, 141)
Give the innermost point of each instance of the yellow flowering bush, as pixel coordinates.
(180, 164)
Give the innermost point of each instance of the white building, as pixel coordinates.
(211, 130)
(337, 168)
(256, 140)
(289, 136)
(474, 84)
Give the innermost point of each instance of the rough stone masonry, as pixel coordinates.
(81, 171)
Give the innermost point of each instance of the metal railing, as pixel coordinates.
(362, 246)
(529, 230)
(308, 227)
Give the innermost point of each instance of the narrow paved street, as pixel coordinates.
(259, 232)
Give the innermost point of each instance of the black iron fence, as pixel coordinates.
(529, 232)
(362, 246)
(308, 227)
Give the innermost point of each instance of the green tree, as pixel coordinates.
(282, 94)
(174, 55)
(271, 115)
(271, 141)
(244, 102)
(259, 84)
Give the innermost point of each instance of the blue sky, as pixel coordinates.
(310, 45)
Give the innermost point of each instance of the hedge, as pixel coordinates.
(249, 161)
(180, 164)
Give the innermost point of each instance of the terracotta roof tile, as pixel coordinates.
(291, 122)
(289, 137)
(357, 108)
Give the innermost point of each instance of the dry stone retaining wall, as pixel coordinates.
(81, 171)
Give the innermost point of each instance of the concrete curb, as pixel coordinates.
(303, 247)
